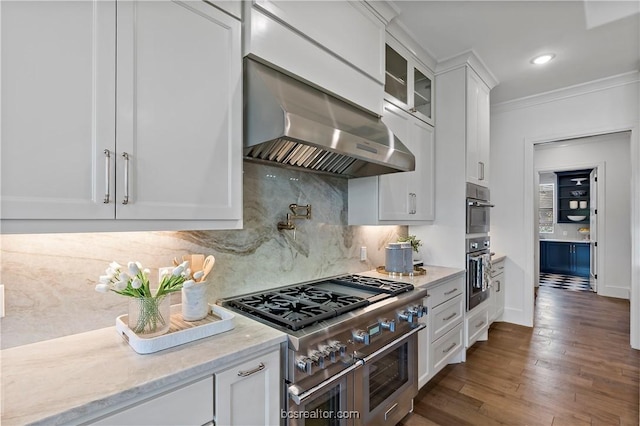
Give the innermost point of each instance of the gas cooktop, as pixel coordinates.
(298, 306)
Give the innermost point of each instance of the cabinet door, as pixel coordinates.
(249, 393)
(582, 258)
(423, 350)
(179, 111)
(559, 257)
(477, 129)
(409, 196)
(58, 109)
(188, 405)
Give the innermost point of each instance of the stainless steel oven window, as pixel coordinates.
(388, 374)
(330, 405)
(387, 382)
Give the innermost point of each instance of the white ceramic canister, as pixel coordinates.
(573, 204)
(583, 204)
(398, 258)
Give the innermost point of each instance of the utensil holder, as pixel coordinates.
(194, 302)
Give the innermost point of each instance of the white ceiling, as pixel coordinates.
(591, 39)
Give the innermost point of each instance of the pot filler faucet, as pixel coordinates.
(294, 215)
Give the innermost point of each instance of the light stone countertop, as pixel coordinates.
(497, 257)
(435, 275)
(62, 380)
(70, 378)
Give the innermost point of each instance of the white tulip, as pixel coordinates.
(177, 271)
(133, 268)
(124, 276)
(120, 285)
(197, 275)
(146, 271)
(186, 273)
(136, 283)
(188, 283)
(110, 272)
(185, 264)
(115, 265)
(105, 279)
(102, 288)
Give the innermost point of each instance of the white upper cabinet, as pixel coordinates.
(308, 39)
(179, 74)
(58, 109)
(408, 83)
(397, 198)
(478, 111)
(132, 116)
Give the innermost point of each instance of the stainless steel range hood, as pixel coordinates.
(290, 123)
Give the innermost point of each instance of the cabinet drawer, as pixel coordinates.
(446, 291)
(475, 325)
(195, 403)
(445, 348)
(446, 316)
(497, 268)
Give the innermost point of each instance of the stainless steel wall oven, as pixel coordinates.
(478, 209)
(478, 270)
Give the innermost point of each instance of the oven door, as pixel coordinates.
(329, 403)
(478, 216)
(478, 269)
(387, 382)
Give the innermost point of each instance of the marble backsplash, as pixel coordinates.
(49, 279)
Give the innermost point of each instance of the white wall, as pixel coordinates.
(603, 106)
(610, 153)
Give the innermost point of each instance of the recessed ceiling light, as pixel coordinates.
(543, 59)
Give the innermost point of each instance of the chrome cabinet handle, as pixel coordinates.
(125, 201)
(450, 291)
(453, 345)
(412, 203)
(480, 324)
(481, 166)
(260, 367)
(107, 176)
(450, 316)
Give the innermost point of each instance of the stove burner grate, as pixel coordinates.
(368, 283)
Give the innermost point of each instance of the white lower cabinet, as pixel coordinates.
(497, 291)
(446, 348)
(249, 393)
(442, 342)
(476, 324)
(191, 404)
(424, 367)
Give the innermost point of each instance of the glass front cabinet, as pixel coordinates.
(408, 83)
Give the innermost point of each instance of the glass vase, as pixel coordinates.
(149, 316)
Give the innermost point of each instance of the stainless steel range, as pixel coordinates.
(352, 347)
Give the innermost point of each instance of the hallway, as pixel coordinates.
(575, 367)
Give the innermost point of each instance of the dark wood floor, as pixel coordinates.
(575, 367)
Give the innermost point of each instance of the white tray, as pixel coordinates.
(218, 321)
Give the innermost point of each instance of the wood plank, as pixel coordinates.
(574, 367)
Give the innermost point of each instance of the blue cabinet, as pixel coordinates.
(568, 258)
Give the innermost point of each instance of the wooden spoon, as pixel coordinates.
(197, 262)
(208, 266)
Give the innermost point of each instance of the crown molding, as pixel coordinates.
(606, 83)
(470, 58)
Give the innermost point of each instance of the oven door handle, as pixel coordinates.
(383, 349)
(300, 398)
(480, 204)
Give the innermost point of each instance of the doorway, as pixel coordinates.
(609, 156)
